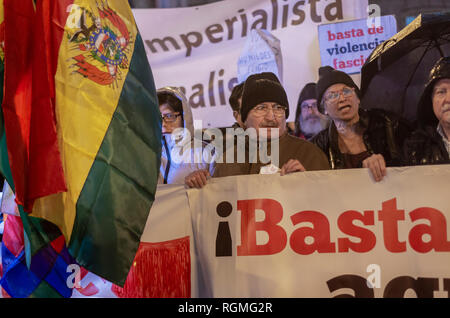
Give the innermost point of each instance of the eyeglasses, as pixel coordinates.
(170, 117)
(333, 96)
(306, 106)
(263, 109)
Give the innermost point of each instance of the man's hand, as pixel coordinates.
(292, 165)
(197, 179)
(376, 165)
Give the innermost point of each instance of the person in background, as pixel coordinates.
(430, 143)
(265, 108)
(179, 154)
(309, 121)
(357, 137)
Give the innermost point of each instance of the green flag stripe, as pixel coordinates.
(4, 160)
(38, 232)
(44, 290)
(115, 200)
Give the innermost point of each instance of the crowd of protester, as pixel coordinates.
(332, 130)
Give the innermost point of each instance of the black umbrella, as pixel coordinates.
(394, 75)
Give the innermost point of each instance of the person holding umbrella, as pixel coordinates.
(357, 137)
(395, 72)
(430, 143)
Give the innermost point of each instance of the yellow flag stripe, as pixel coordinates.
(2, 13)
(84, 108)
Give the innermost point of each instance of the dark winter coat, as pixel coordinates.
(384, 133)
(425, 146)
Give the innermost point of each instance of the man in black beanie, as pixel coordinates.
(264, 110)
(357, 137)
(264, 88)
(308, 120)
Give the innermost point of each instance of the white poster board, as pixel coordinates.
(346, 45)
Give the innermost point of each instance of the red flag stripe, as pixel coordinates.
(46, 174)
(31, 54)
(18, 16)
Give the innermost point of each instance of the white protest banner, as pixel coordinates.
(346, 45)
(324, 234)
(198, 48)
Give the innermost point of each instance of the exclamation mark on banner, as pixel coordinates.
(223, 239)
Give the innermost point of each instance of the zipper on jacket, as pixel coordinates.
(169, 159)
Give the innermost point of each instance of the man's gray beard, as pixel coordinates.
(312, 127)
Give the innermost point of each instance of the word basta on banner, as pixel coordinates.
(310, 234)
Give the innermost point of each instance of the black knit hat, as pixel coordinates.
(425, 112)
(308, 92)
(260, 88)
(329, 76)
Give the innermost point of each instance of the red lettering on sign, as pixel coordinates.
(390, 216)
(353, 33)
(437, 231)
(345, 224)
(320, 232)
(308, 239)
(273, 214)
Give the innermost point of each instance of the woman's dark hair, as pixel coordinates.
(172, 101)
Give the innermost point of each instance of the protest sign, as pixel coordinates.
(346, 45)
(262, 53)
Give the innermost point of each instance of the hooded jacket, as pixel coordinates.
(425, 145)
(181, 154)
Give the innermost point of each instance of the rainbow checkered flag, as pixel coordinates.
(47, 276)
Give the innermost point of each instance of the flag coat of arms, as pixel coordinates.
(89, 114)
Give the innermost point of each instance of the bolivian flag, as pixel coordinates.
(100, 97)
